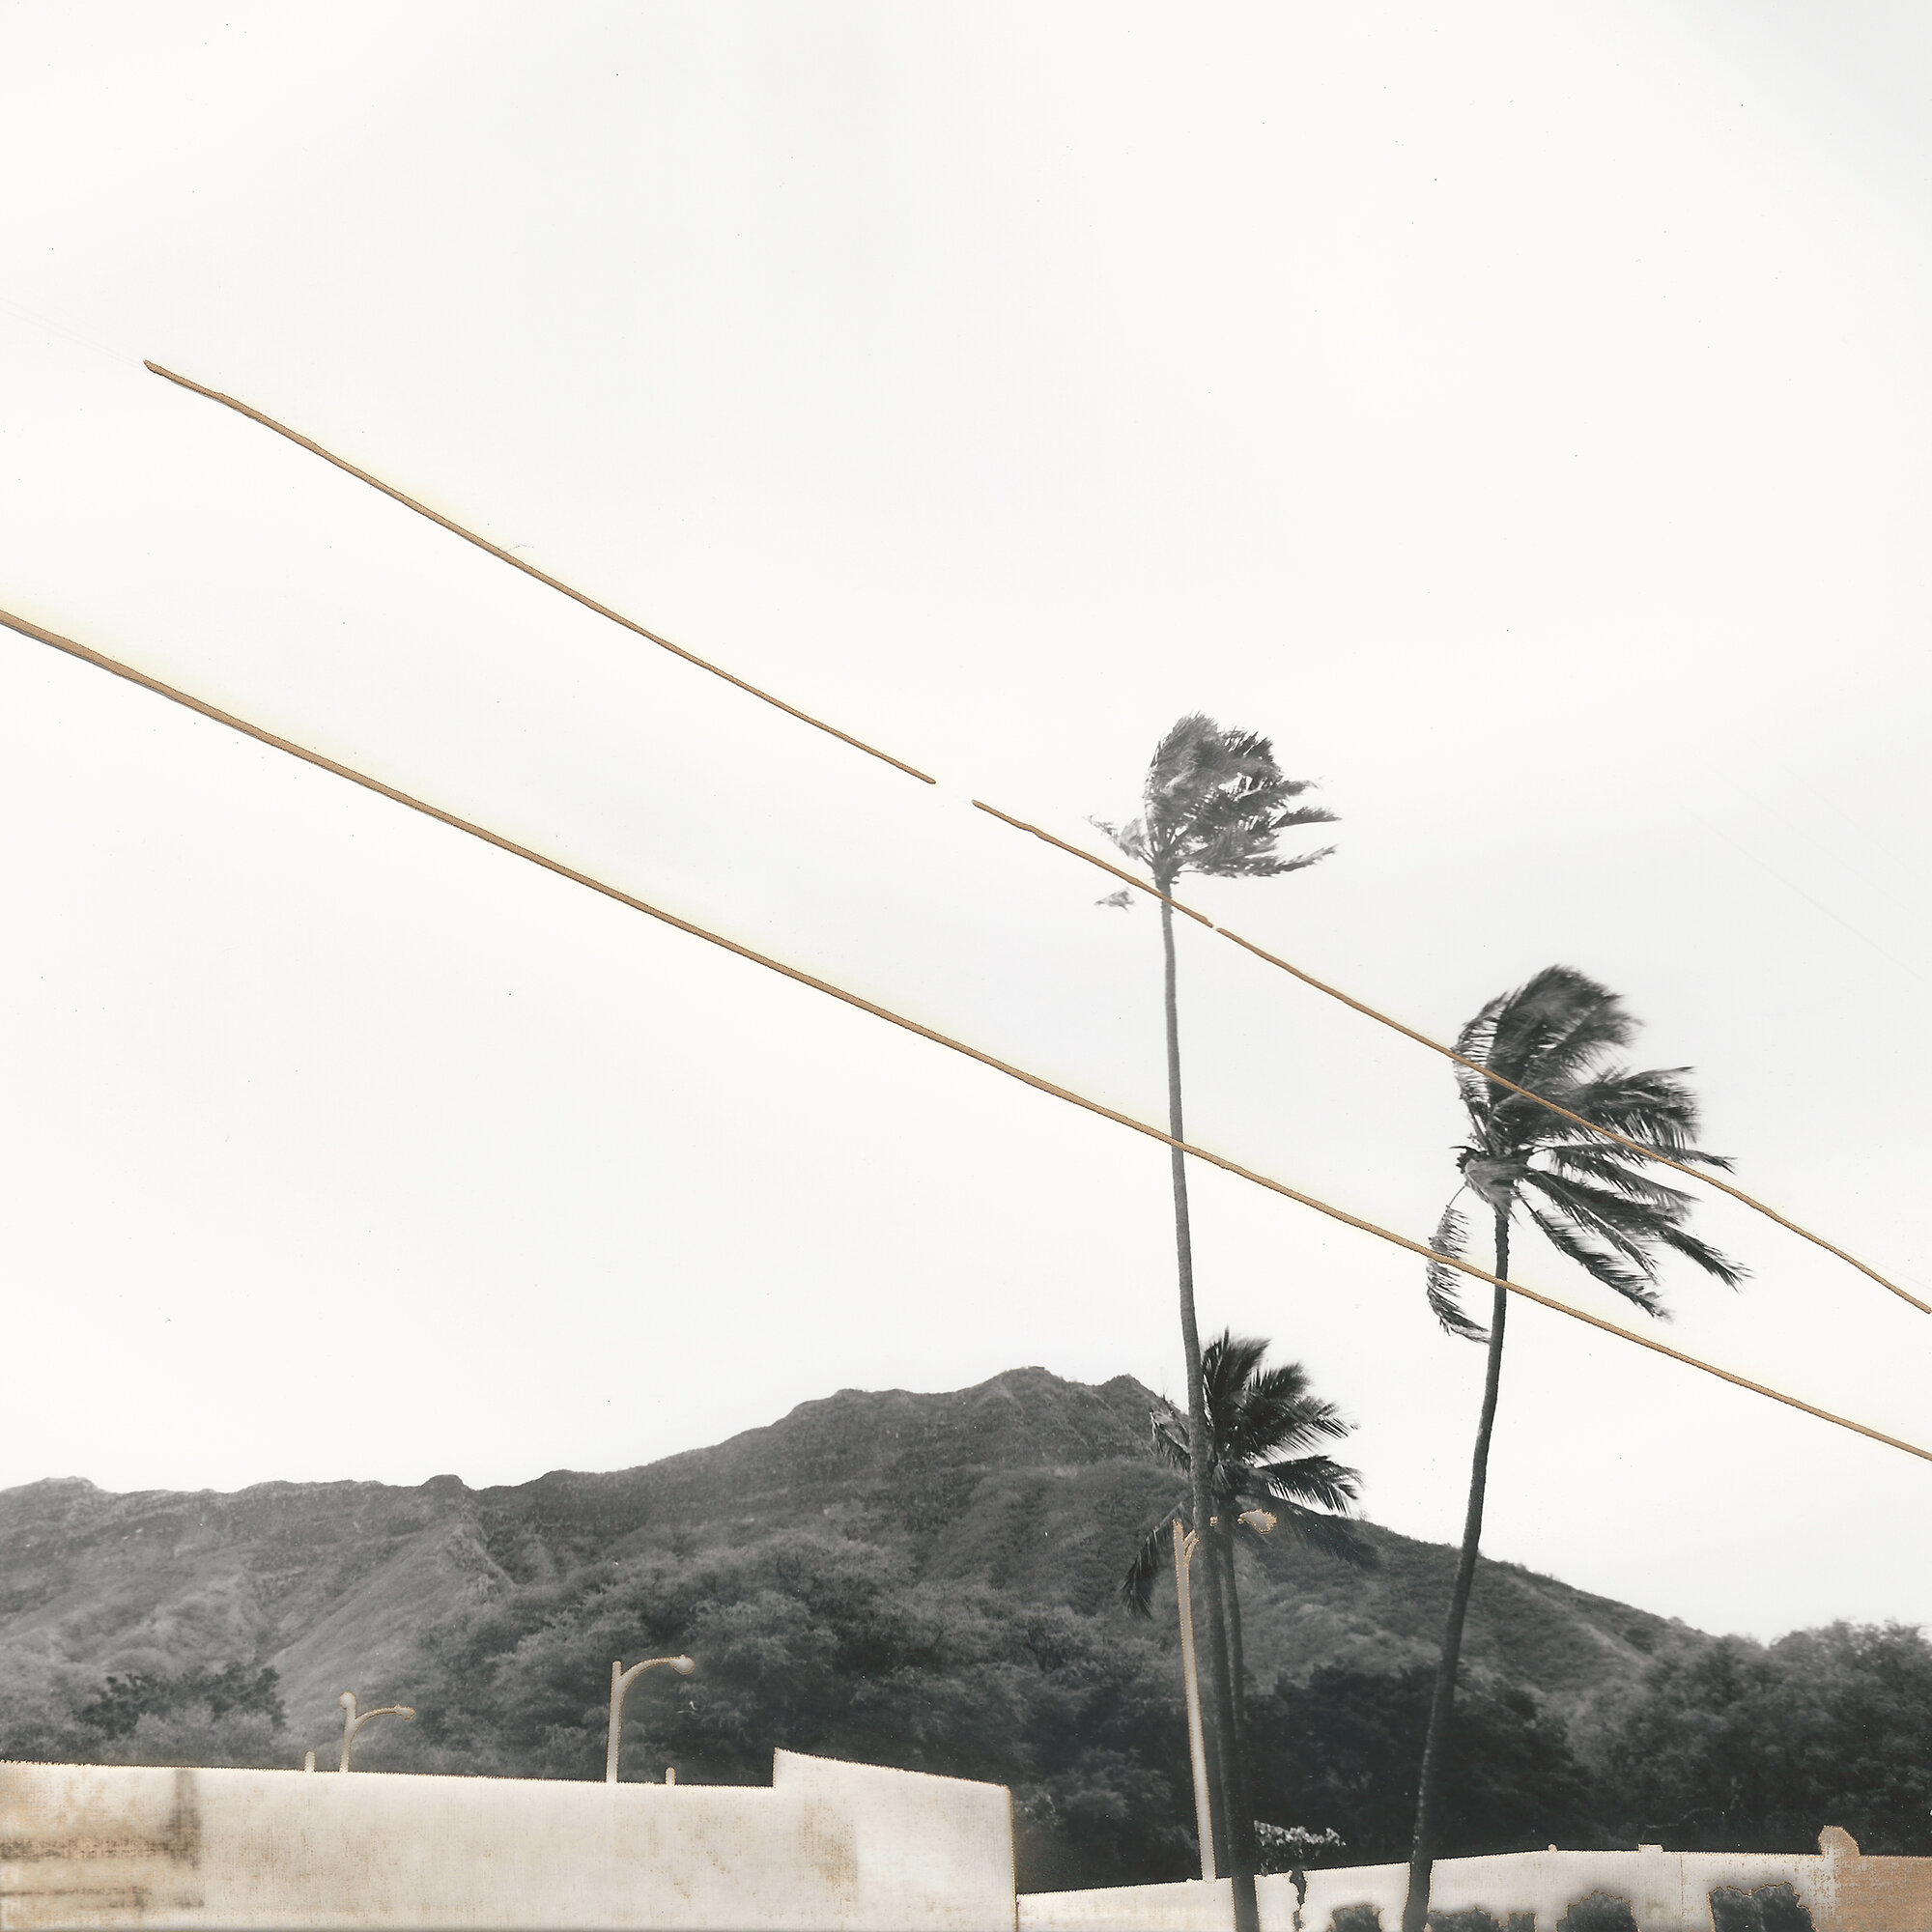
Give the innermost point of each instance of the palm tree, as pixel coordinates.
(1257, 1420)
(1595, 1201)
(1213, 802)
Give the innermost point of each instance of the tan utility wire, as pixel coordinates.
(1474, 1066)
(1020, 825)
(531, 570)
(1034, 1080)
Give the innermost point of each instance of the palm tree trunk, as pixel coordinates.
(1232, 1824)
(1238, 1663)
(1237, 1666)
(1442, 1707)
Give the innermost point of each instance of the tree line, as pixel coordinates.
(842, 1648)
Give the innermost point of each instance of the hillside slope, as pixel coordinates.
(1027, 1486)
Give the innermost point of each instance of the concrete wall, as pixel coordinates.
(825, 1845)
(926, 1851)
(1668, 1891)
(1132, 1908)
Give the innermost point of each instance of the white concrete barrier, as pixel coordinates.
(926, 1851)
(825, 1845)
(1130, 1908)
(1665, 1891)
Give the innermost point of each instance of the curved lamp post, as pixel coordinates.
(620, 1682)
(1184, 1544)
(352, 1724)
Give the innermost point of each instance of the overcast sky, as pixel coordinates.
(1521, 413)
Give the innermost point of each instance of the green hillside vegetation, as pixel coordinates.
(931, 1581)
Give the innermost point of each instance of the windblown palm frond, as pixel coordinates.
(1331, 1536)
(1168, 1428)
(1151, 1553)
(1257, 1416)
(1228, 1367)
(1307, 1503)
(1476, 1041)
(1280, 1410)
(1701, 1252)
(1628, 1225)
(1316, 1482)
(1130, 837)
(1215, 802)
(1554, 1026)
(1614, 1166)
(1655, 1109)
(1594, 1199)
(1599, 1257)
(1443, 1284)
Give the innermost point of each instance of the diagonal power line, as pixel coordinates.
(1020, 825)
(1474, 1066)
(531, 570)
(1034, 1080)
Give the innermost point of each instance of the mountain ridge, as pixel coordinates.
(1027, 1484)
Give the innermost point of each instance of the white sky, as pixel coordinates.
(1521, 413)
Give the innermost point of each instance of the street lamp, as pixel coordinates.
(1261, 1521)
(352, 1724)
(620, 1682)
(1203, 1821)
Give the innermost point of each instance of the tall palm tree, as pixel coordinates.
(1596, 1202)
(1215, 801)
(1257, 1421)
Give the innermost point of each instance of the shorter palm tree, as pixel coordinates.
(1262, 1424)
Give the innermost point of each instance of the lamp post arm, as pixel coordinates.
(352, 1723)
(620, 1682)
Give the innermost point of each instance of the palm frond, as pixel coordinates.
(1596, 1256)
(1574, 1041)
(1191, 758)
(1522, 1121)
(1255, 1415)
(1443, 1283)
(1250, 802)
(1620, 1218)
(1329, 1535)
(1619, 1228)
(1655, 1108)
(1130, 837)
(1167, 1429)
(1239, 865)
(1227, 1363)
(1278, 1414)
(1599, 1205)
(1286, 1385)
(1554, 1024)
(1317, 1480)
(1475, 1042)
(1616, 1167)
(1706, 1257)
(1151, 1555)
(1120, 900)
(1215, 802)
